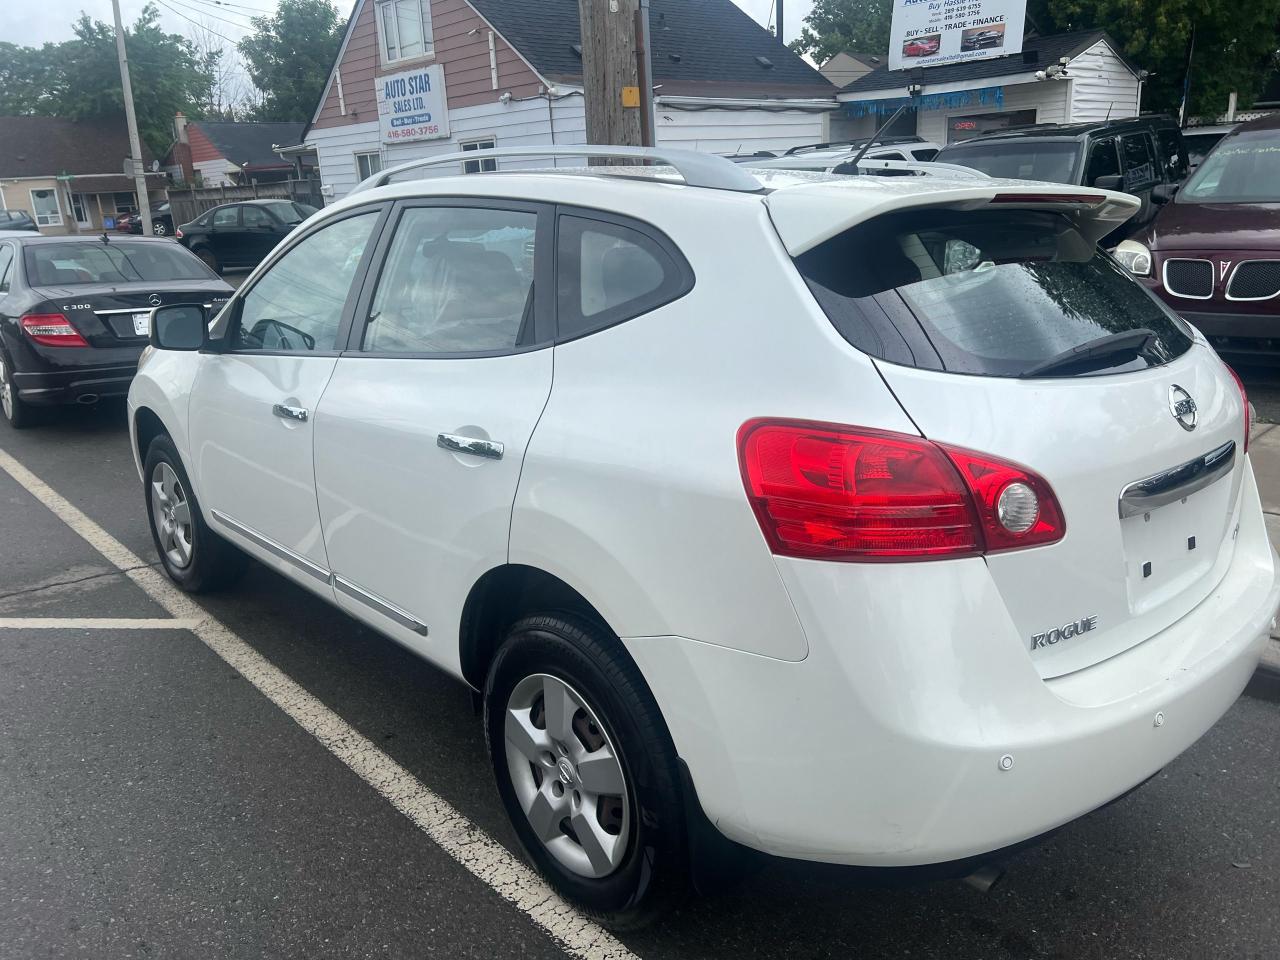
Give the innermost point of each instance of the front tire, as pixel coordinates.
(17, 413)
(194, 557)
(586, 769)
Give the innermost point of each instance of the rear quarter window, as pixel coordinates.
(993, 293)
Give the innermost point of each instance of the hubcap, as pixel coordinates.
(6, 391)
(567, 776)
(172, 515)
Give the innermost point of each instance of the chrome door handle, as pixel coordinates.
(488, 449)
(290, 413)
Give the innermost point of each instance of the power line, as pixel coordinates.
(214, 16)
(226, 3)
(197, 23)
(221, 9)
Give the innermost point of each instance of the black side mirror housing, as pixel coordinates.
(180, 326)
(1163, 192)
(1111, 181)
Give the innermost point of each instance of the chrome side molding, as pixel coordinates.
(1145, 495)
(489, 449)
(275, 549)
(384, 607)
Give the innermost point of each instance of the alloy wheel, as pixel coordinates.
(567, 776)
(159, 229)
(172, 515)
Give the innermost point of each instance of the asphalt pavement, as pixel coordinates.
(155, 802)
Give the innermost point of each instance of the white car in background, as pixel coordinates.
(872, 522)
(840, 157)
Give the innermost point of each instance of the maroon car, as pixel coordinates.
(1213, 253)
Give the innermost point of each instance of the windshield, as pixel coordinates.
(994, 293)
(1053, 161)
(1244, 168)
(115, 262)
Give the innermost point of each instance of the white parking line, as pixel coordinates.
(454, 833)
(95, 623)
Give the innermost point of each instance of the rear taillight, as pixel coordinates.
(178, 233)
(52, 330)
(845, 493)
(1244, 398)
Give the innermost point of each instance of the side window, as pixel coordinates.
(296, 306)
(1172, 154)
(1139, 162)
(608, 272)
(227, 217)
(6, 263)
(1103, 161)
(927, 154)
(456, 280)
(256, 217)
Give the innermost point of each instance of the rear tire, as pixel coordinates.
(159, 229)
(194, 557)
(209, 258)
(611, 840)
(17, 413)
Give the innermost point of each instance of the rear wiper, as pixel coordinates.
(1131, 343)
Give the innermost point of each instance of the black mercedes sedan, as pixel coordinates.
(75, 313)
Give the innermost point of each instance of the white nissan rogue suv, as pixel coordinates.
(876, 522)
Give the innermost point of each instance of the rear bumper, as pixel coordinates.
(75, 385)
(884, 746)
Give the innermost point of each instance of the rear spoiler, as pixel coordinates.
(809, 214)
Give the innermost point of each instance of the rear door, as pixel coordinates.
(422, 431)
(253, 406)
(981, 322)
(224, 235)
(261, 233)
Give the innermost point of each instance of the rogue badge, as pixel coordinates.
(1064, 632)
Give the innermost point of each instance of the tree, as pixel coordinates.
(80, 78)
(1235, 44)
(289, 56)
(836, 25)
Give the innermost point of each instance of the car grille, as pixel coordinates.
(1189, 278)
(1255, 280)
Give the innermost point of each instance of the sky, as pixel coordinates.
(33, 22)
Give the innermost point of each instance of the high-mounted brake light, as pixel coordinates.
(831, 492)
(52, 330)
(1090, 199)
(1244, 398)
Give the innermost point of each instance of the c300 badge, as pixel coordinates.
(1064, 632)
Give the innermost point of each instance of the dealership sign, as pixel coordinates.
(412, 105)
(929, 33)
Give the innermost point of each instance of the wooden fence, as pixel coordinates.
(186, 205)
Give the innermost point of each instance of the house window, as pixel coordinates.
(487, 165)
(125, 202)
(44, 204)
(975, 125)
(404, 28)
(367, 164)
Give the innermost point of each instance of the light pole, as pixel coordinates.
(135, 145)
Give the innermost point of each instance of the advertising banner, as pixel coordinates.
(929, 33)
(412, 105)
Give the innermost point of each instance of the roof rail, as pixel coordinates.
(925, 168)
(697, 169)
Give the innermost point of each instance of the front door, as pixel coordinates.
(253, 405)
(422, 431)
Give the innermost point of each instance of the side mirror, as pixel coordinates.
(179, 326)
(1111, 181)
(1163, 192)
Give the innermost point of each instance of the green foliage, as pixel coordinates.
(835, 25)
(1235, 46)
(80, 78)
(289, 56)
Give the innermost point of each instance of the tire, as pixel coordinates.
(159, 229)
(645, 870)
(209, 258)
(194, 557)
(17, 413)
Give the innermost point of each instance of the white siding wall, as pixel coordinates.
(1047, 97)
(336, 148)
(213, 172)
(1102, 86)
(737, 131)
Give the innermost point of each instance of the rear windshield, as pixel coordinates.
(117, 261)
(1053, 161)
(996, 293)
(1244, 168)
(291, 212)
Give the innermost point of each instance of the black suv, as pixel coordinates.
(1144, 156)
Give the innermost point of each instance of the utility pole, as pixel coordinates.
(610, 72)
(135, 145)
(779, 27)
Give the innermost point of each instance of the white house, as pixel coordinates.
(963, 100)
(418, 77)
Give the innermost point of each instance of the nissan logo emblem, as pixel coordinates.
(1182, 407)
